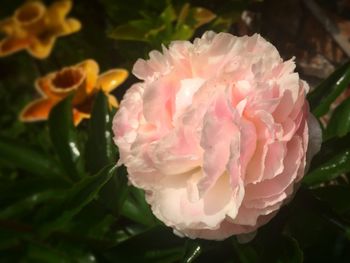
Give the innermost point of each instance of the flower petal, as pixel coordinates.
(91, 69)
(112, 101)
(315, 138)
(7, 26)
(11, 45)
(78, 116)
(41, 48)
(278, 184)
(37, 110)
(172, 205)
(69, 26)
(219, 136)
(59, 9)
(111, 79)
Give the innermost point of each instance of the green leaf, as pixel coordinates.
(60, 253)
(245, 252)
(41, 253)
(136, 208)
(183, 32)
(183, 15)
(306, 200)
(199, 16)
(18, 154)
(63, 136)
(16, 190)
(100, 151)
(92, 222)
(134, 30)
(26, 205)
(269, 246)
(76, 199)
(330, 149)
(322, 96)
(158, 244)
(194, 17)
(168, 15)
(339, 124)
(337, 165)
(336, 196)
(114, 193)
(223, 22)
(99, 148)
(283, 250)
(192, 251)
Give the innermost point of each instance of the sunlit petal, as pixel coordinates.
(112, 79)
(37, 110)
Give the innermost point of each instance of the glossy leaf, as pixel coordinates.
(339, 124)
(158, 244)
(326, 93)
(329, 170)
(18, 154)
(63, 136)
(330, 149)
(192, 251)
(76, 199)
(115, 192)
(100, 151)
(99, 148)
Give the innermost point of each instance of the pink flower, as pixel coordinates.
(216, 133)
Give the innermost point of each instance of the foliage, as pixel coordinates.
(170, 25)
(63, 199)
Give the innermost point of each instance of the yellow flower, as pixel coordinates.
(35, 27)
(83, 80)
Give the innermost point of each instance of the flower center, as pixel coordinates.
(29, 13)
(68, 79)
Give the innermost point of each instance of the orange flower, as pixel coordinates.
(83, 80)
(35, 28)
